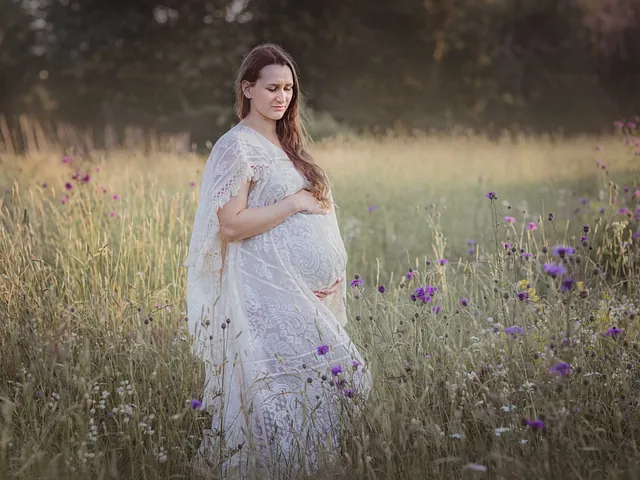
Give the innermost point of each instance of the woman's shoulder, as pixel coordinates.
(241, 141)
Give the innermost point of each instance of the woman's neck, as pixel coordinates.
(266, 127)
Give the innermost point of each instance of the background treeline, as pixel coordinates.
(169, 65)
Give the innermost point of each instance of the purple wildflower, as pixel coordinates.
(410, 275)
(567, 284)
(355, 364)
(86, 178)
(381, 289)
(527, 255)
(491, 196)
(349, 393)
(471, 251)
(68, 186)
(425, 293)
(336, 370)
(322, 350)
(584, 201)
(510, 220)
(506, 245)
(196, 404)
(562, 251)
(561, 368)
(554, 270)
(464, 302)
(532, 226)
(436, 309)
(66, 160)
(514, 330)
(613, 332)
(522, 296)
(373, 208)
(535, 424)
(356, 282)
(443, 261)
(472, 243)
(623, 211)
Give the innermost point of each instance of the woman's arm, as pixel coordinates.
(238, 222)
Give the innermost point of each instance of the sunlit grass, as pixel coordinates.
(92, 300)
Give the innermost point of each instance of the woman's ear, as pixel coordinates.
(246, 89)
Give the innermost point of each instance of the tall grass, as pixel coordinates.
(504, 371)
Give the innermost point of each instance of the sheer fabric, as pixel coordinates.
(255, 320)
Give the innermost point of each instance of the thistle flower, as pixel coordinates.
(562, 251)
(424, 294)
(336, 370)
(356, 282)
(567, 284)
(322, 350)
(443, 261)
(561, 368)
(381, 289)
(514, 330)
(373, 208)
(196, 404)
(613, 332)
(491, 196)
(532, 226)
(522, 296)
(464, 302)
(535, 424)
(554, 270)
(510, 220)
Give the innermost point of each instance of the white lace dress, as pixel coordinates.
(252, 310)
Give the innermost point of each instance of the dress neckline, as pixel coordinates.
(263, 137)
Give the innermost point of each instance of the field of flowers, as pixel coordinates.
(494, 291)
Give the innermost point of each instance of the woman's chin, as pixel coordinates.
(275, 115)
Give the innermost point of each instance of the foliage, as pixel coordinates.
(429, 65)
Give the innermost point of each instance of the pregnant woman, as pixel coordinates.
(266, 286)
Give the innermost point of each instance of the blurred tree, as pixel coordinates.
(18, 60)
(170, 64)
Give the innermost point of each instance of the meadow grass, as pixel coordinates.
(504, 371)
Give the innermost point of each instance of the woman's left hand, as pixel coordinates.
(321, 294)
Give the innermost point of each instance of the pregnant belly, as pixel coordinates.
(314, 248)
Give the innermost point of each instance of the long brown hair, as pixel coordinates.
(291, 132)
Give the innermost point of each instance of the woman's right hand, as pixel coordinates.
(307, 203)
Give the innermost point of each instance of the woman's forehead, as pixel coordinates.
(276, 75)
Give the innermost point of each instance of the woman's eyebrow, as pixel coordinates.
(278, 84)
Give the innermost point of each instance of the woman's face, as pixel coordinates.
(272, 92)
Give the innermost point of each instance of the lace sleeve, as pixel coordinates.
(226, 169)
